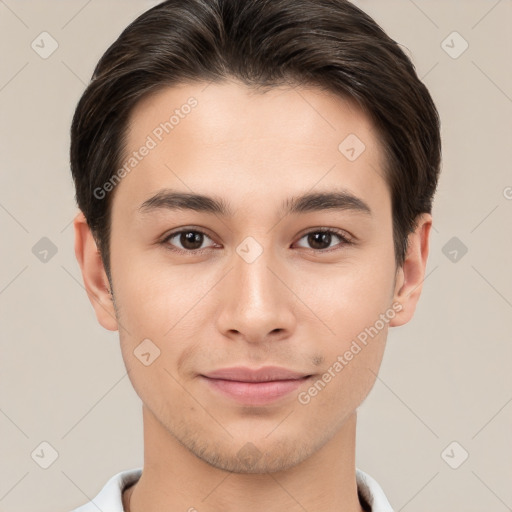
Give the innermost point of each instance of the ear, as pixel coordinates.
(93, 273)
(410, 276)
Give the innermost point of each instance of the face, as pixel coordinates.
(257, 276)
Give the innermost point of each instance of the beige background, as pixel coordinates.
(445, 377)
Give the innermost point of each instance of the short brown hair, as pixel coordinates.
(330, 44)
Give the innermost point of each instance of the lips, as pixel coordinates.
(254, 386)
(265, 374)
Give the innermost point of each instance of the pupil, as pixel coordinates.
(319, 238)
(191, 239)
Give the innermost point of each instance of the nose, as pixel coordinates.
(257, 304)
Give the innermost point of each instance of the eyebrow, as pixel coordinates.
(168, 199)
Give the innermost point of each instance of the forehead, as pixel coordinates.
(232, 112)
(227, 138)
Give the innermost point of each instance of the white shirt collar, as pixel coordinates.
(109, 499)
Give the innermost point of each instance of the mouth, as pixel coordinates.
(255, 386)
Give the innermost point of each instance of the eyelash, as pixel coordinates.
(345, 240)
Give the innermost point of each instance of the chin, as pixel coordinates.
(252, 458)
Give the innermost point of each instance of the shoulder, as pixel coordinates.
(109, 499)
(371, 493)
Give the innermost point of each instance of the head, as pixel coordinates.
(254, 103)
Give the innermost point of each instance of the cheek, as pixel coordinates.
(349, 370)
(159, 303)
(354, 304)
(152, 299)
(159, 320)
(167, 307)
(346, 383)
(347, 299)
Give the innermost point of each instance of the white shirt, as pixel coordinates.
(109, 498)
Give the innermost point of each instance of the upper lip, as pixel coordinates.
(264, 374)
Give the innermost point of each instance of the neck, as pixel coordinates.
(173, 478)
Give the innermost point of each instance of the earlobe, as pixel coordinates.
(93, 274)
(410, 277)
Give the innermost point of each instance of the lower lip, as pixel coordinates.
(255, 393)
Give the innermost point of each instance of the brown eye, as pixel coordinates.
(320, 240)
(189, 240)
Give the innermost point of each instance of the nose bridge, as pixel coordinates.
(256, 283)
(257, 302)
